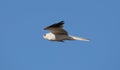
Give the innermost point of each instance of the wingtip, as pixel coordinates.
(44, 28)
(56, 24)
(61, 22)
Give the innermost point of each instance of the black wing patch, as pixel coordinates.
(57, 25)
(57, 28)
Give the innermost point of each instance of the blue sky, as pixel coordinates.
(23, 48)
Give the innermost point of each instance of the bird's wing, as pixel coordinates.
(57, 28)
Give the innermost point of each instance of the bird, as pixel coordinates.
(59, 34)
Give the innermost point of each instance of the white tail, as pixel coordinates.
(79, 38)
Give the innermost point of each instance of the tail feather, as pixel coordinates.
(79, 38)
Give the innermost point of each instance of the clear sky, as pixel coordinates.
(23, 48)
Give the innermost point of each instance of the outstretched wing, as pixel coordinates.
(57, 28)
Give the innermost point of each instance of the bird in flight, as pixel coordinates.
(57, 33)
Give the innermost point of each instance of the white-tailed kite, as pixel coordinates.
(57, 33)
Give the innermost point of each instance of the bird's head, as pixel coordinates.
(45, 36)
(49, 36)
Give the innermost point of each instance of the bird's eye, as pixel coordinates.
(44, 34)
